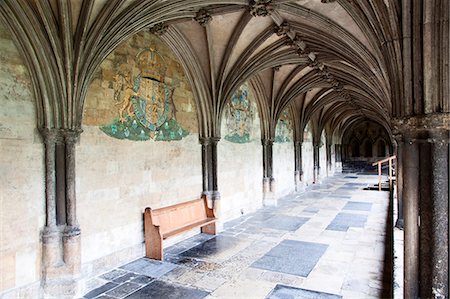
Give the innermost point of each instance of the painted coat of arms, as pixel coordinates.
(283, 131)
(239, 114)
(145, 102)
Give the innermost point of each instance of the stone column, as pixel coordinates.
(338, 151)
(209, 173)
(434, 212)
(316, 149)
(205, 171)
(299, 183)
(329, 165)
(269, 183)
(71, 237)
(411, 191)
(51, 241)
(399, 178)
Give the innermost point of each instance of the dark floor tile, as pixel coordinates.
(292, 257)
(187, 244)
(286, 292)
(149, 267)
(358, 206)
(343, 221)
(284, 222)
(165, 290)
(123, 290)
(142, 279)
(98, 291)
(125, 277)
(111, 275)
(212, 246)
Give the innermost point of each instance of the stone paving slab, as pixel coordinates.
(292, 257)
(358, 206)
(148, 267)
(343, 221)
(287, 292)
(164, 290)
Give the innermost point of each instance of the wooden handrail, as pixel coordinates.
(379, 163)
(384, 160)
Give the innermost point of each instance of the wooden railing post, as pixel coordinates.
(379, 164)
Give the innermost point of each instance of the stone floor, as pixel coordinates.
(327, 242)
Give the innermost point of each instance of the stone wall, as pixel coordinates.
(240, 169)
(21, 177)
(284, 167)
(284, 155)
(145, 154)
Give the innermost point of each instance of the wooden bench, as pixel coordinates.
(169, 221)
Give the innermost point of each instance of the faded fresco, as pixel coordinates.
(239, 115)
(284, 130)
(144, 94)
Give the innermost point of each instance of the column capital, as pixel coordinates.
(71, 136)
(428, 128)
(208, 140)
(266, 142)
(50, 135)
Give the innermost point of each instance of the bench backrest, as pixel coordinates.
(180, 215)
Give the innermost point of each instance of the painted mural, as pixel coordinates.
(239, 115)
(141, 93)
(145, 102)
(284, 131)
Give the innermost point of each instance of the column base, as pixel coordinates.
(61, 262)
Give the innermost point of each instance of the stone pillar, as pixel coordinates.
(316, 157)
(399, 179)
(299, 183)
(51, 241)
(269, 183)
(71, 237)
(338, 152)
(411, 191)
(205, 171)
(424, 163)
(61, 254)
(329, 165)
(209, 173)
(434, 217)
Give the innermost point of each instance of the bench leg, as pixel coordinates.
(209, 229)
(154, 245)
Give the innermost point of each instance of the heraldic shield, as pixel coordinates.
(146, 105)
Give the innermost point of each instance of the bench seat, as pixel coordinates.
(163, 223)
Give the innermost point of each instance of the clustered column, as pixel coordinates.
(61, 235)
(209, 167)
(316, 149)
(299, 180)
(269, 186)
(424, 167)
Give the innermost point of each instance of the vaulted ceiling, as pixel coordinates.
(331, 61)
